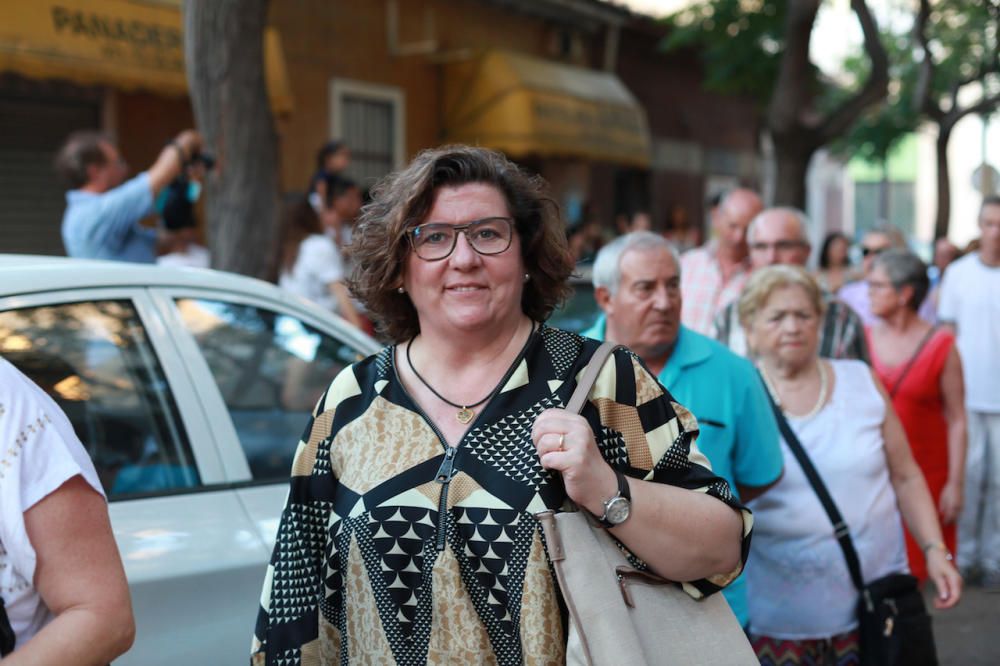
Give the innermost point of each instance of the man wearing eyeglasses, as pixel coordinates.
(777, 236)
(103, 210)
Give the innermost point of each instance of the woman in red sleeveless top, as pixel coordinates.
(920, 367)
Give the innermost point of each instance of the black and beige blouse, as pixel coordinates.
(394, 548)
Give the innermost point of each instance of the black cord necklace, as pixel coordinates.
(465, 412)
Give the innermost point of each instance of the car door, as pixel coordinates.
(193, 557)
(270, 361)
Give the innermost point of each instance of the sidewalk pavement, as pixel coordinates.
(967, 634)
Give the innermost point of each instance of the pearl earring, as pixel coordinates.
(400, 290)
(527, 276)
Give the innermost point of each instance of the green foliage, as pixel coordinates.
(875, 133)
(739, 41)
(962, 38)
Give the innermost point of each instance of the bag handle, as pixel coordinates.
(840, 529)
(586, 383)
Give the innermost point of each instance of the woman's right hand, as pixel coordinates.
(947, 580)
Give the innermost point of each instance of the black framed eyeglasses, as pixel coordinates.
(870, 251)
(435, 241)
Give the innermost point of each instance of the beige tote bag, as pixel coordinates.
(620, 615)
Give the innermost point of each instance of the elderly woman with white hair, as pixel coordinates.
(803, 600)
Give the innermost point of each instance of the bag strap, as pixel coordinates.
(909, 364)
(589, 376)
(840, 529)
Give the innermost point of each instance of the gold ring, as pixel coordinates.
(562, 440)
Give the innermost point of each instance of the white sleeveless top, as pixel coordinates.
(797, 580)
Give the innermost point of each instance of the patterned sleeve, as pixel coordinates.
(645, 434)
(289, 618)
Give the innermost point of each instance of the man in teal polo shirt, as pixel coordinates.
(637, 285)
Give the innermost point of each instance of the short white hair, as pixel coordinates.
(607, 266)
(800, 218)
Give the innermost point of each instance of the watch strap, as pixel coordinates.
(623, 491)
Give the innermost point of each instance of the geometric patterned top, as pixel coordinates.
(379, 561)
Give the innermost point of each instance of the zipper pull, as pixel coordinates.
(447, 469)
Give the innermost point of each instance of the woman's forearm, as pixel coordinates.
(84, 636)
(683, 535)
(917, 508)
(956, 449)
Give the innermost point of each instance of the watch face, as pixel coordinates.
(618, 510)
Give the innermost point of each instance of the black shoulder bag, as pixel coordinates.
(7, 638)
(893, 623)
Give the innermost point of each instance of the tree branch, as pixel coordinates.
(984, 105)
(875, 88)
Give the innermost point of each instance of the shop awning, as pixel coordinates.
(523, 106)
(119, 43)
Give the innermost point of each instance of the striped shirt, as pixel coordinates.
(842, 335)
(703, 289)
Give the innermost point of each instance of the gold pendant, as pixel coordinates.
(464, 415)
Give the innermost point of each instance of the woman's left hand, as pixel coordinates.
(565, 443)
(947, 580)
(950, 503)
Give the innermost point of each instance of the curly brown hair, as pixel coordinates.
(402, 200)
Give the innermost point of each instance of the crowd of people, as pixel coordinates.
(410, 534)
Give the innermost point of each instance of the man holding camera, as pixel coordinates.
(103, 210)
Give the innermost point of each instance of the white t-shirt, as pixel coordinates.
(970, 297)
(40, 452)
(798, 585)
(317, 265)
(195, 256)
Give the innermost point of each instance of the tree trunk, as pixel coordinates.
(941, 219)
(884, 189)
(224, 50)
(792, 161)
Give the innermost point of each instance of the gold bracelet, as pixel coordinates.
(940, 546)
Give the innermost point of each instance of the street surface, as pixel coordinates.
(967, 635)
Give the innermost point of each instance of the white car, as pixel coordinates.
(190, 389)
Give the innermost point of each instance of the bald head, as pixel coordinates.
(778, 236)
(735, 212)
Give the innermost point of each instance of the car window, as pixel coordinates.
(271, 369)
(579, 312)
(96, 362)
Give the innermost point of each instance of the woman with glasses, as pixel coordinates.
(409, 535)
(920, 367)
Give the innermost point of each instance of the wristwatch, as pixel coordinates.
(618, 508)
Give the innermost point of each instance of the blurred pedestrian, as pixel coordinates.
(803, 602)
(409, 533)
(715, 273)
(880, 238)
(637, 285)
(332, 159)
(970, 302)
(311, 265)
(834, 262)
(103, 210)
(779, 236)
(62, 582)
(176, 207)
(945, 252)
(922, 371)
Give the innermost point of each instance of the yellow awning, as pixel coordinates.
(120, 43)
(524, 106)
